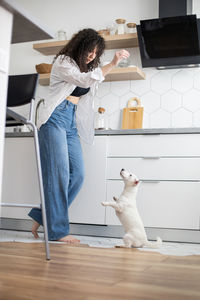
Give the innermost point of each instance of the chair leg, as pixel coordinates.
(41, 189)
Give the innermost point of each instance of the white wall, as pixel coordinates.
(171, 98)
(73, 15)
(5, 36)
(196, 7)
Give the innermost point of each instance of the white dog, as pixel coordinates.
(126, 210)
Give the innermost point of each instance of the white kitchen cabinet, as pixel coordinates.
(168, 166)
(87, 207)
(20, 180)
(161, 204)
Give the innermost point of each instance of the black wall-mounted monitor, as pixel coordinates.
(172, 41)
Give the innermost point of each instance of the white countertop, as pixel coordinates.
(126, 131)
(148, 131)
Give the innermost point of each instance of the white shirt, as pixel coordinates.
(65, 77)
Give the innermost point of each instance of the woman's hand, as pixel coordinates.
(119, 55)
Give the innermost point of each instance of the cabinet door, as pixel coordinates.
(162, 204)
(20, 179)
(87, 207)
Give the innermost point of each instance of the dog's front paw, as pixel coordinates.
(103, 203)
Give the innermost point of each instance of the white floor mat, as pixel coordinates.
(178, 249)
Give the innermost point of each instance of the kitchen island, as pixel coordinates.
(166, 160)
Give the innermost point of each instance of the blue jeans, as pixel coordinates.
(62, 168)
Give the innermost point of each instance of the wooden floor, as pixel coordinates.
(83, 273)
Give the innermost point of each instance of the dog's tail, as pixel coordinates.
(156, 244)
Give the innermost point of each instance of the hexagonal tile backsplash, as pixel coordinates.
(171, 98)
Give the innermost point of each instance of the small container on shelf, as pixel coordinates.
(61, 35)
(104, 32)
(120, 26)
(131, 27)
(101, 121)
(112, 28)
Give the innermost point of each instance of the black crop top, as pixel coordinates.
(79, 91)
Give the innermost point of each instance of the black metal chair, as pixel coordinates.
(21, 91)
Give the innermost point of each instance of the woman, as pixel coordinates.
(66, 115)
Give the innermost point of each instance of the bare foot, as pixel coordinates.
(69, 239)
(35, 227)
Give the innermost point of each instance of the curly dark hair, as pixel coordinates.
(80, 45)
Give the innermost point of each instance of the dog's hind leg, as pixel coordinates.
(127, 240)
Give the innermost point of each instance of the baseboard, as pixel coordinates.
(115, 231)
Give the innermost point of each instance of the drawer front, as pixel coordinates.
(162, 204)
(154, 145)
(156, 168)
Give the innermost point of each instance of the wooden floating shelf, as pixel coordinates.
(116, 41)
(129, 73)
(117, 74)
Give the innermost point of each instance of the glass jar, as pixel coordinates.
(101, 121)
(112, 28)
(124, 63)
(61, 35)
(120, 26)
(131, 27)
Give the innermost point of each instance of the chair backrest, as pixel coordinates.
(21, 89)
